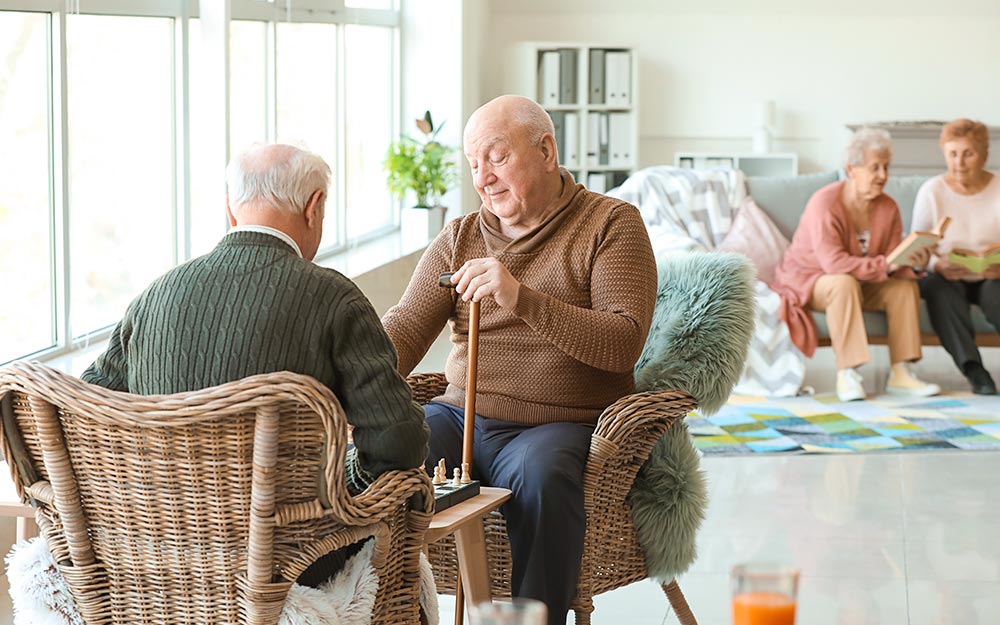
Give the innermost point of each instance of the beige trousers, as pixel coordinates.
(842, 297)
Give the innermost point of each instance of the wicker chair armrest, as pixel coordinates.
(383, 497)
(626, 433)
(42, 491)
(634, 414)
(426, 386)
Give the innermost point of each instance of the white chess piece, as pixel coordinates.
(457, 476)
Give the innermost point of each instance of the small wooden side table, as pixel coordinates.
(465, 521)
(10, 505)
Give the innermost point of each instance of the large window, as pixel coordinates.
(27, 320)
(110, 173)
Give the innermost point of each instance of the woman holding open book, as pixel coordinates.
(965, 268)
(837, 264)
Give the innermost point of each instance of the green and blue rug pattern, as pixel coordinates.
(822, 424)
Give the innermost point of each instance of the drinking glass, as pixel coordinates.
(516, 612)
(764, 593)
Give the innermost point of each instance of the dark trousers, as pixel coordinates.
(948, 302)
(543, 466)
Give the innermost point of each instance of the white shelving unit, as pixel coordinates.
(770, 164)
(591, 92)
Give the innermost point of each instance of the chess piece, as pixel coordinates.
(457, 479)
(465, 473)
(436, 480)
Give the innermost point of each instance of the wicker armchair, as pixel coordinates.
(201, 507)
(612, 556)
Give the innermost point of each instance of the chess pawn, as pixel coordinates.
(436, 480)
(457, 476)
(465, 473)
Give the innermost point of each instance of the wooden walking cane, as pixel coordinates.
(468, 431)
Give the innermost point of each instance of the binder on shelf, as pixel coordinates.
(593, 139)
(567, 76)
(549, 77)
(617, 77)
(620, 139)
(602, 144)
(597, 182)
(596, 77)
(571, 143)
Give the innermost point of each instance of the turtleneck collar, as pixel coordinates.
(555, 213)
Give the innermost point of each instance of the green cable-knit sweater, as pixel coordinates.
(250, 306)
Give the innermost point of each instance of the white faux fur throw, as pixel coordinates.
(41, 596)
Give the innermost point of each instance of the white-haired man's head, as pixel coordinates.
(282, 187)
(276, 176)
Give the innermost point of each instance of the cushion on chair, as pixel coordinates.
(41, 596)
(702, 325)
(698, 343)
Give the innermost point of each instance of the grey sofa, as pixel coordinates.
(784, 199)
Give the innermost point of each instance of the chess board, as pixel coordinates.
(448, 494)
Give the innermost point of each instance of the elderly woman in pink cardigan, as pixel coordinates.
(837, 264)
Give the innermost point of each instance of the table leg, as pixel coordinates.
(26, 528)
(470, 541)
(459, 608)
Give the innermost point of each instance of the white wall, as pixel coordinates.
(703, 75)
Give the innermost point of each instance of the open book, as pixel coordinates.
(976, 262)
(916, 241)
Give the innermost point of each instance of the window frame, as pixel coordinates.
(64, 339)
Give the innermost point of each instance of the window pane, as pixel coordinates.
(26, 322)
(307, 97)
(247, 123)
(369, 114)
(120, 107)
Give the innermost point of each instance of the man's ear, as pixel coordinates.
(550, 153)
(314, 209)
(229, 213)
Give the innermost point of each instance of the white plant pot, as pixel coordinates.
(423, 222)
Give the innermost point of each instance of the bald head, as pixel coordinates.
(522, 117)
(276, 176)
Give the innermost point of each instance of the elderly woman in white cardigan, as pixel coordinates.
(970, 195)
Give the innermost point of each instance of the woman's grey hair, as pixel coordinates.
(281, 176)
(865, 140)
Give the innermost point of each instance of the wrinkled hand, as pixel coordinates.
(992, 272)
(486, 277)
(950, 270)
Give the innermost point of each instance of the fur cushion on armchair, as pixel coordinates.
(698, 343)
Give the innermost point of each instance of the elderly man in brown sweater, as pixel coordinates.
(567, 283)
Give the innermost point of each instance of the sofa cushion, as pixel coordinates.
(754, 235)
(784, 198)
(904, 189)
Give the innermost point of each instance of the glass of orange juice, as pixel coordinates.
(764, 593)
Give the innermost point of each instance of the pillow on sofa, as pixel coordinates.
(784, 198)
(754, 235)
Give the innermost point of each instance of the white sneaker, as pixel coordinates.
(903, 382)
(849, 387)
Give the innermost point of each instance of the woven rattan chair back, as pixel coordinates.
(612, 555)
(198, 507)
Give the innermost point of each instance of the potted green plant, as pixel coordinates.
(422, 166)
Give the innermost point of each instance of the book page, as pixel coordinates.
(913, 242)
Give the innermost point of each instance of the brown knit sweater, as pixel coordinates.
(588, 286)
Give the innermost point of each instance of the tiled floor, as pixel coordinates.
(888, 539)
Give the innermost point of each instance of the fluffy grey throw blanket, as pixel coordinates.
(702, 326)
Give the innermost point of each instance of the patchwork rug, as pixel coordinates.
(823, 424)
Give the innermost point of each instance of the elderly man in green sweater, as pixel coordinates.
(257, 304)
(567, 282)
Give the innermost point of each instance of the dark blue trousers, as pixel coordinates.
(543, 466)
(948, 305)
